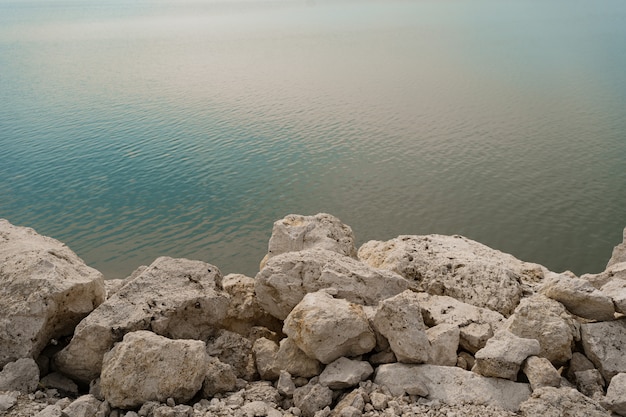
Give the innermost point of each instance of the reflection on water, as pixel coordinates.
(134, 130)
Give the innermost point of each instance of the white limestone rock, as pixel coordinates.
(615, 286)
(45, 291)
(344, 373)
(444, 344)
(504, 354)
(83, 406)
(541, 373)
(399, 320)
(176, 298)
(21, 375)
(292, 359)
(616, 395)
(326, 328)
(451, 385)
(148, 367)
(476, 324)
(265, 352)
(578, 296)
(619, 253)
(288, 277)
(457, 267)
(312, 398)
(547, 321)
(604, 344)
(559, 402)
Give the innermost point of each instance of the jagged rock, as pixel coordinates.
(465, 361)
(476, 324)
(148, 367)
(546, 320)
(84, 406)
(504, 354)
(579, 362)
(177, 298)
(381, 358)
(8, 400)
(399, 320)
(444, 343)
(52, 410)
(259, 408)
(45, 290)
(265, 352)
(262, 391)
(220, 377)
(21, 375)
(61, 383)
(603, 343)
(285, 384)
(326, 328)
(578, 296)
(288, 277)
(616, 395)
(541, 373)
(451, 385)
(590, 383)
(235, 350)
(457, 267)
(559, 402)
(615, 286)
(295, 232)
(619, 253)
(111, 286)
(312, 398)
(292, 359)
(351, 404)
(344, 373)
(167, 411)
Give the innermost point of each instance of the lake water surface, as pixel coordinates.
(134, 129)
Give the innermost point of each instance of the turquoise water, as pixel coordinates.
(135, 129)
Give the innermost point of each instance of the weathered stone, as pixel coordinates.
(541, 373)
(265, 352)
(476, 325)
(312, 398)
(288, 277)
(235, 350)
(261, 391)
(111, 286)
(21, 375)
(84, 406)
(344, 373)
(52, 410)
(326, 328)
(451, 385)
(604, 343)
(457, 267)
(147, 367)
(295, 232)
(381, 358)
(285, 384)
(351, 404)
(444, 344)
(258, 408)
(619, 253)
(504, 354)
(465, 361)
(615, 286)
(176, 298)
(559, 402)
(578, 296)
(546, 320)
(8, 400)
(45, 290)
(616, 395)
(590, 383)
(220, 377)
(175, 411)
(61, 383)
(399, 320)
(292, 359)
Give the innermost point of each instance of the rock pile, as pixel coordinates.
(415, 326)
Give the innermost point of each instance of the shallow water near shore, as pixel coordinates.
(130, 130)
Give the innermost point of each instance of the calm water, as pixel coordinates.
(135, 129)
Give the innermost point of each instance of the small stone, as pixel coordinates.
(285, 384)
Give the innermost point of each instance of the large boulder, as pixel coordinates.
(326, 328)
(559, 402)
(45, 291)
(176, 298)
(504, 354)
(457, 267)
(619, 253)
(604, 344)
(451, 385)
(295, 232)
(148, 367)
(288, 277)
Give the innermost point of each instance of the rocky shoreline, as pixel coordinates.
(415, 326)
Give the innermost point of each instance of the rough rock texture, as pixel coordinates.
(148, 367)
(399, 320)
(504, 354)
(45, 290)
(541, 373)
(322, 231)
(344, 373)
(579, 362)
(615, 286)
(21, 375)
(177, 298)
(288, 277)
(578, 296)
(616, 395)
(265, 352)
(476, 324)
(546, 320)
(444, 343)
(452, 385)
(84, 406)
(590, 383)
(456, 266)
(244, 310)
(220, 377)
(235, 350)
(326, 328)
(604, 344)
(312, 398)
(561, 402)
(619, 253)
(292, 359)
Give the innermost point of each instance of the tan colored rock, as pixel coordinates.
(220, 377)
(265, 352)
(559, 402)
(176, 298)
(21, 375)
(604, 343)
(148, 367)
(541, 373)
(344, 373)
(235, 350)
(45, 290)
(457, 267)
(288, 277)
(616, 395)
(504, 354)
(292, 359)
(615, 286)
(444, 344)
(590, 383)
(579, 362)
(312, 398)
(83, 406)
(619, 253)
(326, 328)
